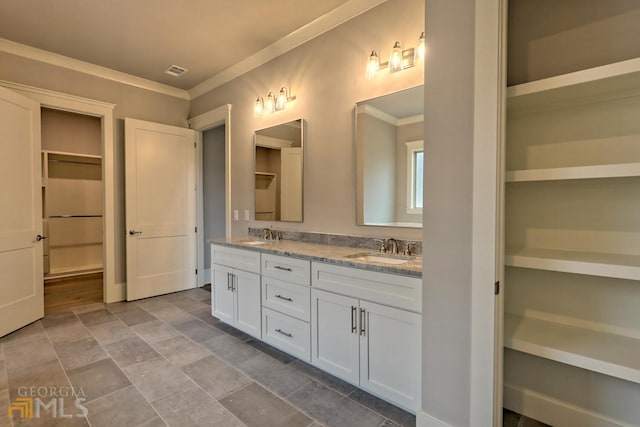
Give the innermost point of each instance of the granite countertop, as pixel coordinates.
(338, 255)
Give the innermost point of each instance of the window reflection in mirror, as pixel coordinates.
(278, 172)
(390, 159)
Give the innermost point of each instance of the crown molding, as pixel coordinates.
(315, 28)
(45, 94)
(62, 61)
(378, 114)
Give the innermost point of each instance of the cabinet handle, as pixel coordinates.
(282, 268)
(363, 331)
(286, 334)
(234, 282)
(354, 319)
(284, 298)
(229, 282)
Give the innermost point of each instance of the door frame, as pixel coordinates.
(112, 291)
(220, 116)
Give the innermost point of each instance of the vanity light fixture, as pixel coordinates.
(272, 103)
(398, 60)
(258, 107)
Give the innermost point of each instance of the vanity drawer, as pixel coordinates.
(392, 290)
(236, 258)
(287, 298)
(286, 333)
(292, 270)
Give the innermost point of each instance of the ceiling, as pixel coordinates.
(144, 37)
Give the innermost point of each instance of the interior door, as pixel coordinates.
(21, 263)
(160, 186)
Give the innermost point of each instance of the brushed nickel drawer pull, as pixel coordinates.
(282, 268)
(286, 334)
(284, 298)
(363, 331)
(228, 281)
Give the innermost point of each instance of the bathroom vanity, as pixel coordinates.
(352, 312)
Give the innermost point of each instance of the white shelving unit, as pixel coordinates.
(572, 232)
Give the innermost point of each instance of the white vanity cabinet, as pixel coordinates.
(286, 304)
(366, 329)
(235, 289)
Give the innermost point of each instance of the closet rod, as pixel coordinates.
(74, 162)
(75, 216)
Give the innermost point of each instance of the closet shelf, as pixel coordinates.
(619, 266)
(577, 172)
(620, 79)
(602, 352)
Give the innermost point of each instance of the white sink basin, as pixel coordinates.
(380, 258)
(255, 242)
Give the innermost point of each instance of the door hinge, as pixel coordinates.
(196, 271)
(196, 229)
(496, 289)
(195, 145)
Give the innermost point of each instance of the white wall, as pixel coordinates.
(327, 76)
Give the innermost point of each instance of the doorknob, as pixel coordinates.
(134, 232)
(40, 237)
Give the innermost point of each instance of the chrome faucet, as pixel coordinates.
(394, 244)
(268, 233)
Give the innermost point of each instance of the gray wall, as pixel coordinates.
(131, 102)
(213, 188)
(448, 185)
(327, 76)
(551, 37)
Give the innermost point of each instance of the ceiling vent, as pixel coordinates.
(175, 71)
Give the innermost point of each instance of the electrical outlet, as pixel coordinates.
(246, 214)
(235, 215)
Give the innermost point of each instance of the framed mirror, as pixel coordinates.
(279, 172)
(390, 158)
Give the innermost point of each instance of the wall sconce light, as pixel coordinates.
(398, 60)
(272, 103)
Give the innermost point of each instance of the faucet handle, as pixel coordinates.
(383, 245)
(407, 248)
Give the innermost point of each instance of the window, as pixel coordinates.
(415, 168)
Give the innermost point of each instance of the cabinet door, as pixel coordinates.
(247, 310)
(221, 293)
(390, 354)
(334, 334)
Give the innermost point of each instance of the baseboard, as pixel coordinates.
(553, 411)
(425, 420)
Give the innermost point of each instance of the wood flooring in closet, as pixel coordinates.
(65, 293)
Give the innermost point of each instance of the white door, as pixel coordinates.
(222, 304)
(248, 317)
(334, 334)
(21, 264)
(390, 354)
(291, 184)
(160, 186)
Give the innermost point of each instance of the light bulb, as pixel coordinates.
(270, 103)
(395, 60)
(258, 107)
(421, 48)
(282, 99)
(373, 65)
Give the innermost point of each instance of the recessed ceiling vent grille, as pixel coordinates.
(175, 71)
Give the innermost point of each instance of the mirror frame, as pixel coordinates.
(255, 148)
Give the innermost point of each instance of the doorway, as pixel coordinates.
(72, 208)
(213, 192)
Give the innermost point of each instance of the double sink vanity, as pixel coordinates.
(352, 311)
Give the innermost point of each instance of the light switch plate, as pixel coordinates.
(235, 215)
(246, 214)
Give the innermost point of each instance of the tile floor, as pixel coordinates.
(166, 361)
